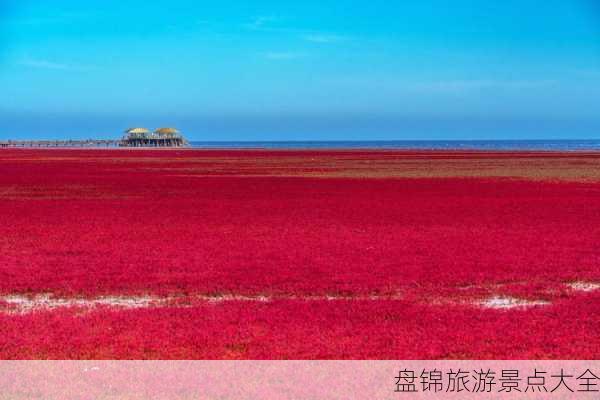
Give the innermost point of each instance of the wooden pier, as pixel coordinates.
(61, 143)
(153, 142)
(134, 137)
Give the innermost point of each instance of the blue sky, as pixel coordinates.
(293, 70)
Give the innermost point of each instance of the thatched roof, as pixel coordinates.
(167, 131)
(137, 131)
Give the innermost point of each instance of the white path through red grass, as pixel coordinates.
(23, 304)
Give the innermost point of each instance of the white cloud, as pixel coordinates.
(47, 64)
(477, 84)
(265, 24)
(56, 18)
(442, 87)
(260, 22)
(324, 38)
(44, 64)
(283, 55)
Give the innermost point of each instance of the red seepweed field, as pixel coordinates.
(299, 254)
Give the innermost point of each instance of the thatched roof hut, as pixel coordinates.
(162, 137)
(137, 133)
(167, 132)
(137, 130)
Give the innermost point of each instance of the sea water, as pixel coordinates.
(565, 145)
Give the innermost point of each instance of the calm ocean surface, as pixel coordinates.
(414, 144)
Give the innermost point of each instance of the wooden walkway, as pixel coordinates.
(60, 143)
(176, 142)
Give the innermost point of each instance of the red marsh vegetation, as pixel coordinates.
(299, 254)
